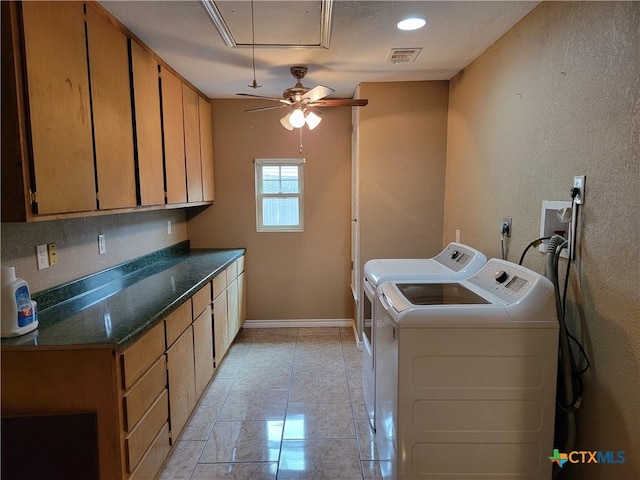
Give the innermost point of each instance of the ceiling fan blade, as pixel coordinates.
(341, 102)
(273, 99)
(262, 109)
(316, 93)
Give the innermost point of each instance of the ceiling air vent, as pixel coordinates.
(403, 55)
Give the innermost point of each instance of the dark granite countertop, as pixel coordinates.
(115, 307)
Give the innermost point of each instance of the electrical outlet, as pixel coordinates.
(457, 235)
(505, 224)
(102, 245)
(579, 182)
(53, 253)
(169, 227)
(42, 257)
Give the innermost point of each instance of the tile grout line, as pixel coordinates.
(286, 408)
(353, 413)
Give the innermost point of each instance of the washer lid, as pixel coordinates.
(439, 294)
(388, 269)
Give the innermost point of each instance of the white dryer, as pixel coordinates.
(466, 376)
(456, 261)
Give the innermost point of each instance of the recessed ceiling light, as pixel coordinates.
(412, 23)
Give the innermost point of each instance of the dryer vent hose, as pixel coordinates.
(565, 361)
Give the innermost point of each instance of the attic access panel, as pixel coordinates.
(305, 23)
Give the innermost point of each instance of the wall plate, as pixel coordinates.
(102, 245)
(550, 224)
(42, 257)
(53, 253)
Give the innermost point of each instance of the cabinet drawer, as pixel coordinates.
(240, 263)
(146, 431)
(143, 393)
(178, 322)
(232, 272)
(154, 458)
(219, 284)
(201, 300)
(141, 355)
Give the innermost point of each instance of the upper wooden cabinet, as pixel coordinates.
(192, 144)
(148, 130)
(206, 148)
(112, 121)
(58, 105)
(83, 118)
(173, 128)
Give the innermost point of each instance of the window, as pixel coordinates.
(279, 194)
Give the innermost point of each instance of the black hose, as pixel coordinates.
(535, 243)
(566, 363)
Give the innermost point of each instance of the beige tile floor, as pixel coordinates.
(284, 404)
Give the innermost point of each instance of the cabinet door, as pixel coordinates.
(181, 379)
(112, 120)
(233, 310)
(173, 127)
(203, 350)
(220, 327)
(192, 144)
(146, 94)
(242, 296)
(206, 148)
(58, 89)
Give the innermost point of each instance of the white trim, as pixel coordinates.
(293, 323)
(355, 336)
(280, 161)
(260, 195)
(326, 16)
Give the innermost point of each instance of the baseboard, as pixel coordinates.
(299, 323)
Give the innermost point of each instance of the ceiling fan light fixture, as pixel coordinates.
(312, 120)
(284, 121)
(296, 119)
(411, 23)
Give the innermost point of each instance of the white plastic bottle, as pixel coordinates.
(18, 313)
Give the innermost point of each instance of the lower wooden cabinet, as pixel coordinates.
(145, 404)
(203, 350)
(229, 307)
(137, 401)
(220, 327)
(144, 394)
(154, 458)
(233, 309)
(242, 294)
(182, 384)
(140, 439)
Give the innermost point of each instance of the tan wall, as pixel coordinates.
(558, 96)
(302, 275)
(127, 236)
(402, 148)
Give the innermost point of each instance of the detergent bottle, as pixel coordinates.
(19, 314)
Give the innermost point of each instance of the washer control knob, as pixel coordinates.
(501, 276)
(455, 254)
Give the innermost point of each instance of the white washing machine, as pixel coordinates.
(456, 261)
(466, 376)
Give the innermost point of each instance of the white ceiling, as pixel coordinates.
(360, 38)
